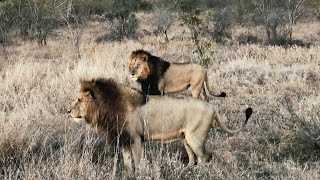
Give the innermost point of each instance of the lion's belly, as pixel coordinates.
(177, 78)
(170, 88)
(164, 136)
(167, 125)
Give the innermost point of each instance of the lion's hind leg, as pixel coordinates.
(197, 146)
(197, 86)
(203, 94)
(196, 89)
(190, 153)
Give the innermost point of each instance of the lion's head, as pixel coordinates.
(80, 108)
(140, 67)
(104, 106)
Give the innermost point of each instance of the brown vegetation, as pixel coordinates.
(39, 140)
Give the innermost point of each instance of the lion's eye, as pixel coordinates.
(138, 65)
(79, 100)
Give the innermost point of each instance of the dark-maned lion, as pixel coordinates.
(122, 114)
(105, 106)
(158, 76)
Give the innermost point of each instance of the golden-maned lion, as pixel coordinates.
(122, 114)
(158, 76)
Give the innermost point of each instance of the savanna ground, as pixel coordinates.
(38, 140)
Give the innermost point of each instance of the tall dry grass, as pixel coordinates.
(38, 140)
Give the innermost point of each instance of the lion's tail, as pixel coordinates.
(231, 131)
(223, 94)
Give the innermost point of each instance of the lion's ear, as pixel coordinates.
(81, 81)
(94, 82)
(145, 57)
(89, 93)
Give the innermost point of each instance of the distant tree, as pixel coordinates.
(223, 19)
(42, 19)
(35, 18)
(294, 10)
(162, 18)
(271, 15)
(6, 21)
(123, 27)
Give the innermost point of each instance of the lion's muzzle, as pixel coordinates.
(133, 77)
(78, 120)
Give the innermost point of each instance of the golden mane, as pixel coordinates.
(156, 68)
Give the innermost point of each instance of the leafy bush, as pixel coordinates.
(223, 21)
(287, 42)
(199, 31)
(308, 128)
(188, 5)
(121, 27)
(248, 39)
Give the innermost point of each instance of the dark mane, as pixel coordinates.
(140, 52)
(158, 68)
(109, 112)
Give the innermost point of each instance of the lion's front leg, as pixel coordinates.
(137, 150)
(161, 85)
(127, 160)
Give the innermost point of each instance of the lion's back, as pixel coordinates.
(176, 108)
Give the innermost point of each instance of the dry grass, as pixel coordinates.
(38, 140)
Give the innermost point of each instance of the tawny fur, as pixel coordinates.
(120, 111)
(158, 76)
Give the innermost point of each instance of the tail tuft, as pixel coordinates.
(248, 113)
(223, 94)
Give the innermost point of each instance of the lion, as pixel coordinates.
(104, 106)
(127, 118)
(158, 76)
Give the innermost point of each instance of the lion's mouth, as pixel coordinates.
(78, 119)
(134, 78)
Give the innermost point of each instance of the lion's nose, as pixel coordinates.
(69, 111)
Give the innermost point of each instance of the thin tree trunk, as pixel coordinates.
(69, 8)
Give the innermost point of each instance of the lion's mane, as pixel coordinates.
(157, 68)
(111, 107)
